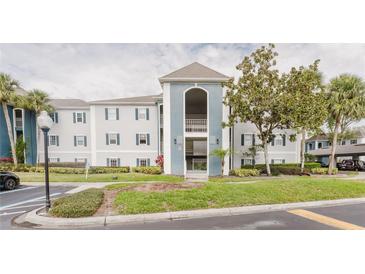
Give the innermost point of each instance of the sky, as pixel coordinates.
(106, 71)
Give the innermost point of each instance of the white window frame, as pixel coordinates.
(247, 139)
(143, 160)
(82, 138)
(246, 160)
(76, 117)
(139, 138)
(142, 113)
(116, 138)
(50, 140)
(111, 160)
(278, 161)
(278, 141)
(353, 142)
(53, 159)
(81, 160)
(112, 115)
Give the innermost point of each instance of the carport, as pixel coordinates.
(354, 152)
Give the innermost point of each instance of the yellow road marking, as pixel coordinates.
(325, 220)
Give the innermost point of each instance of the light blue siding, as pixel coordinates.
(4, 138)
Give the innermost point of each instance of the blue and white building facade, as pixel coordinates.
(183, 123)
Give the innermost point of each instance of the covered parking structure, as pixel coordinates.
(355, 152)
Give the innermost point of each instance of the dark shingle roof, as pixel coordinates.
(195, 71)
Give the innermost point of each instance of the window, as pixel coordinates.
(310, 146)
(143, 162)
(79, 117)
(80, 160)
(343, 143)
(111, 114)
(113, 139)
(247, 139)
(278, 141)
(143, 139)
(54, 117)
(319, 145)
(53, 160)
(53, 140)
(247, 162)
(277, 161)
(353, 142)
(113, 162)
(80, 141)
(142, 114)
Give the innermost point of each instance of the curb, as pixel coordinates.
(52, 222)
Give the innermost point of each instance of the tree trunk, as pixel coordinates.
(222, 168)
(333, 148)
(266, 155)
(10, 132)
(302, 151)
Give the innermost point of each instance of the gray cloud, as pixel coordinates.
(100, 71)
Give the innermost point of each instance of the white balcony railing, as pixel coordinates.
(195, 125)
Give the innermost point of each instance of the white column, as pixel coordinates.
(166, 128)
(225, 134)
(93, 135)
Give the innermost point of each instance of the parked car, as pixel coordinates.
(324, 164)
(351, 165)
(8, 180)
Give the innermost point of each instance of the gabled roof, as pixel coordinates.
(194, 72)
(69, 103)
(150, 99)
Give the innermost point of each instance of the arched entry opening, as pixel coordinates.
(196, 128)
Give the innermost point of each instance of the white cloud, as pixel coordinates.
(102, 71)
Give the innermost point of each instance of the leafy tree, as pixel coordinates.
(252, 152)
(8, 96)
(257, 96)
(346, 102)
(20, 147)
(306, 100)
(221, 154)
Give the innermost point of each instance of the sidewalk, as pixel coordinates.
(51, 222)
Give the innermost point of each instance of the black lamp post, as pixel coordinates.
(45, 123)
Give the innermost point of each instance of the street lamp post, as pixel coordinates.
(45, 123)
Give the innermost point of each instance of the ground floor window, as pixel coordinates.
(113, 162)
(53, 160)
(277, 161)
(353, 142)
(143, 162)
(80, 160)
(247, 162)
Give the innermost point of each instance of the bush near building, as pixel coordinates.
(245, 172)
(147, 169)
(323, 171)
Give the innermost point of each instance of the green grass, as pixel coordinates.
(82, 204)
(122, 177)
(232, 179)
(214, 195)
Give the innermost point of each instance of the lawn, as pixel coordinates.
(218, 195)
(121, 177)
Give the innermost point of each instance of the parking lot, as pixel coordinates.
(23, 199)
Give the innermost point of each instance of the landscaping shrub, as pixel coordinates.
(245, 172)
(323, 170)
(82, 204)
(19, 168)
(99, 170)
(6, 160)
(286, 170)
(262, 167)
(147, 169)
(65, 164)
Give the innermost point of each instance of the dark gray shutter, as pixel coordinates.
(283, 161)
(117, 111)
(253, 162)
(148, 162)
(137, 143)
(253, 139)
(58, 140)
(147, 113)
(84, 116)
(118, 161)
(106, 113)
(272, 161)
(55, 117)
(137, 161)
(284, 140)
(58, 159)
(85, 141)
(118, 139)
(107, 139)
(273, 140)
(136, 113)
(242, 162)
(74, 140)
(242, 139)
(74, 115)
(148, 139)
(107, 162)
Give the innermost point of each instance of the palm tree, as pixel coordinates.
(221, 154)
(36, 100)
(7, 96)
(346, 102)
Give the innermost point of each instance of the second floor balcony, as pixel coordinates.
(195, 125)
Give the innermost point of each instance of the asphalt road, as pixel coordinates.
(25, 198)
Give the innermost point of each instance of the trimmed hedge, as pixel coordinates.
(323, 171)
(245, 172)
(65, 164)
(147, 169)
(308, 165)
(100, 169)
(82, 204)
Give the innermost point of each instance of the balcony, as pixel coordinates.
(195, 125)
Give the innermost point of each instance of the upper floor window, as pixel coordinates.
(353, 142)
(343, 142)
(310, 146)
(79, 117)
(247, 139)
(111, 113)
(54, 117)
(18, 118)
(53, 140)
(279, 140)
(142, 139)
(142, 114)
(112, 139)
(80, 141)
